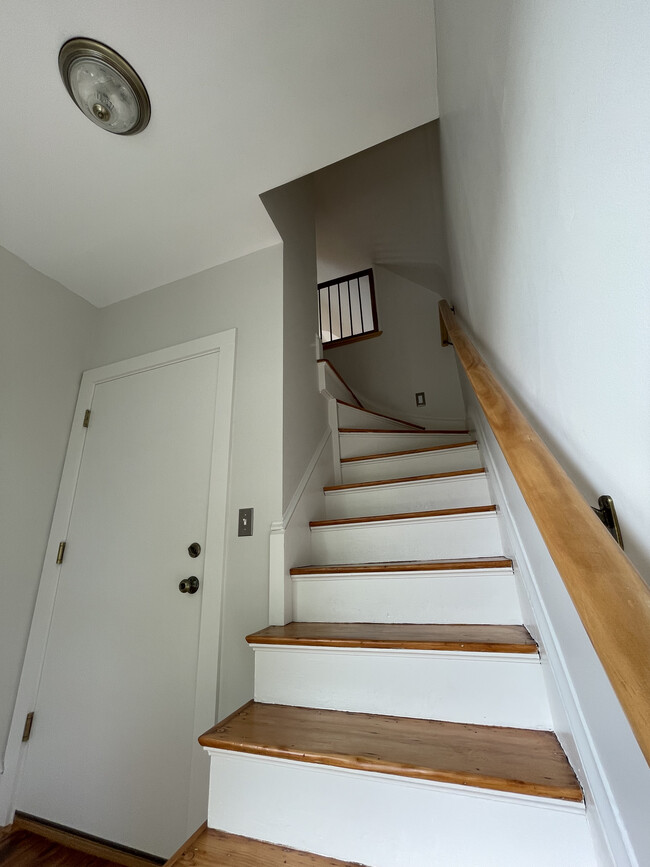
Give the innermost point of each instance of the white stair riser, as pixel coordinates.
(472, 596)
(385, 821)
(350, 416)
(418, 464)
(437, 538)
(503, 689)
(353, 444)
(447, 493)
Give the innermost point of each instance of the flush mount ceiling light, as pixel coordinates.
(104, 86)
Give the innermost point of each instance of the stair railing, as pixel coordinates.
(347, 309)
(609, 594)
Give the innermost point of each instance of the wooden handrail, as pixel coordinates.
(609, 594)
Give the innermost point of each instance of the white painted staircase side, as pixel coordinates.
(356, 443)
(497, 689)
(419, 536)
(451, 595)
(405, 495)
(355, 417)
(404, 567)
(416, 462)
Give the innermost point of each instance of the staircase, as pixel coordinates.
(401, 720)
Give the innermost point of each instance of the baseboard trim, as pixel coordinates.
(84, 842)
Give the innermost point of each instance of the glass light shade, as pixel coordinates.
(104, 86)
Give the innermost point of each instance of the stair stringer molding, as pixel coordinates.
(613, 789)
(430, 422)
(290, 539)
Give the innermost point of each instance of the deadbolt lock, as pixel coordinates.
(194, 549)
(189, 585)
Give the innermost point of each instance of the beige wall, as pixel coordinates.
(245, 294)
(45, 337)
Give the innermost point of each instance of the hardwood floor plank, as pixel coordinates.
(481, 638)
(22, 848)
(218, 849)
(505, 759)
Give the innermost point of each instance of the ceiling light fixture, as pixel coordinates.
(104, 86)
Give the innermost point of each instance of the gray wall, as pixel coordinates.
(245, 294)
(45, 337)
(544, 122)
(291, 208)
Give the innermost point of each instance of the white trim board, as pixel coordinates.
(561, 639)
(207, 668)
(289, 539)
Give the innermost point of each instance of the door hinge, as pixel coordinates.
(86, 418)
(29, 722)
(60, 553)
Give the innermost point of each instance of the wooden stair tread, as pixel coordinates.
(381, 415)
(475, 638)
(213, 848)
(378, 482)
(409, 452)
(404, 516)
(504, 759)
(405, 566)
(374, 430)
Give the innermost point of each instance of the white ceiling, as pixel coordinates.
(246, 95)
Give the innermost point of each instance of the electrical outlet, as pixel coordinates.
(420, 399)
(245, 526)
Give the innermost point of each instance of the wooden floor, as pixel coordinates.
(505, 759)
(217, 849)
(24, 849)
(476, 638)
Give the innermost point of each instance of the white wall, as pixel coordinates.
(544, 127)
(245, 294)
(543, 124)
(45, 337)
(385, 372)
(291, 208)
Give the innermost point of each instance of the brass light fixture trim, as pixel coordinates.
(104, 86)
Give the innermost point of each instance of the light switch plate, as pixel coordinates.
(245, 525)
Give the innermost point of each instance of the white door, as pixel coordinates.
(113, 749)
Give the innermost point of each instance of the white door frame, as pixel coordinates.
(211, 615)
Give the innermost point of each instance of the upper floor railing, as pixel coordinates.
(347, 309)
(610, 596)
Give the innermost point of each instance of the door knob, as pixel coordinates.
(189, 585)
